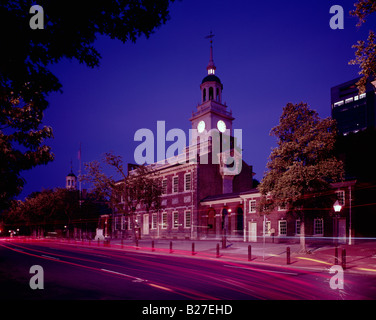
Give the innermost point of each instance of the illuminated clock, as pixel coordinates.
(221, 126)
(201, 126)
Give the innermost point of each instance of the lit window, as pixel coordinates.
(349, 100)
(363, 95)
(339, 103)
(356, 98)
(175, 219)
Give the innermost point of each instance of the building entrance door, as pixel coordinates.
(146, 224)
(252, 233)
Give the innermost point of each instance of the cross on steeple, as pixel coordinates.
(211, 67)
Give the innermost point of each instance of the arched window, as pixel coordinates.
(217, 95)
(211, 93)
(204, 95)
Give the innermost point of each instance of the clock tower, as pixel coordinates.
(211, 113)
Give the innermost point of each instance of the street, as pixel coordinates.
(73, 271)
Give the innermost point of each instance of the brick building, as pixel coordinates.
(204, 198)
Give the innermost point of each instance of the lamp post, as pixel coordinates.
(337, 209)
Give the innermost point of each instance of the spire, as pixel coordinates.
(211, 67)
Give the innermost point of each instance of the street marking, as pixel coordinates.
(257, 269)
(135, 279)
(315, 260)
(366, 269)
(43, 255)
(160, 287)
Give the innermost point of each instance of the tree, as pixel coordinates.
(70, 30)
(52, 210)
(302, 166)
(365, 55)
(138, 187)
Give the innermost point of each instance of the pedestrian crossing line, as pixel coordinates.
(315, 260)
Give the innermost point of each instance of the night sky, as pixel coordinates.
(267, 53)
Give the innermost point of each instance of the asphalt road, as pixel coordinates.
(74, 272)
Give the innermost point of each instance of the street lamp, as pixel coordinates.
(337, 206)
(337, 209)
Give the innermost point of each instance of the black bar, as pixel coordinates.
(288, 261)
(249, 253)
(343, 259)
(336, 255)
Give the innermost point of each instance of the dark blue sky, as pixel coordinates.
(267, 53)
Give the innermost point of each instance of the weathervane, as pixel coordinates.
(210, 36)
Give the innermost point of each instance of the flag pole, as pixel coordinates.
(79, 175)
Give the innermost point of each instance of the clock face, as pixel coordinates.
(221, 126)
(201, 126)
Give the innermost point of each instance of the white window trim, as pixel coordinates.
(296, 227)
(314, 227)
(342, 198)
(190, 181)
(250, 207)
(164, 179)
(175, 226)
(164, 225)
(173, 184)
(279, 228)
(185, 219)
(154, 221)
(264, 224)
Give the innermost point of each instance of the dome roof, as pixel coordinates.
(71, 174)
(211, 77)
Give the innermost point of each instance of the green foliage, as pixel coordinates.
(365, 55)
(70, 30)
(303, 164)
(52, 209)
(141, 187)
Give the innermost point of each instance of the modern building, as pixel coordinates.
(353, 111)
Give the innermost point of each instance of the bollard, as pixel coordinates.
(136, 243)
(223, 242)
(249, 253)
(217, 250)
(336, 255)
(152, 246)
(288, 261)
(193, 248)
(343, 259)
(170, 246)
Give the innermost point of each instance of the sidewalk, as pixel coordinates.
(359, 257)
